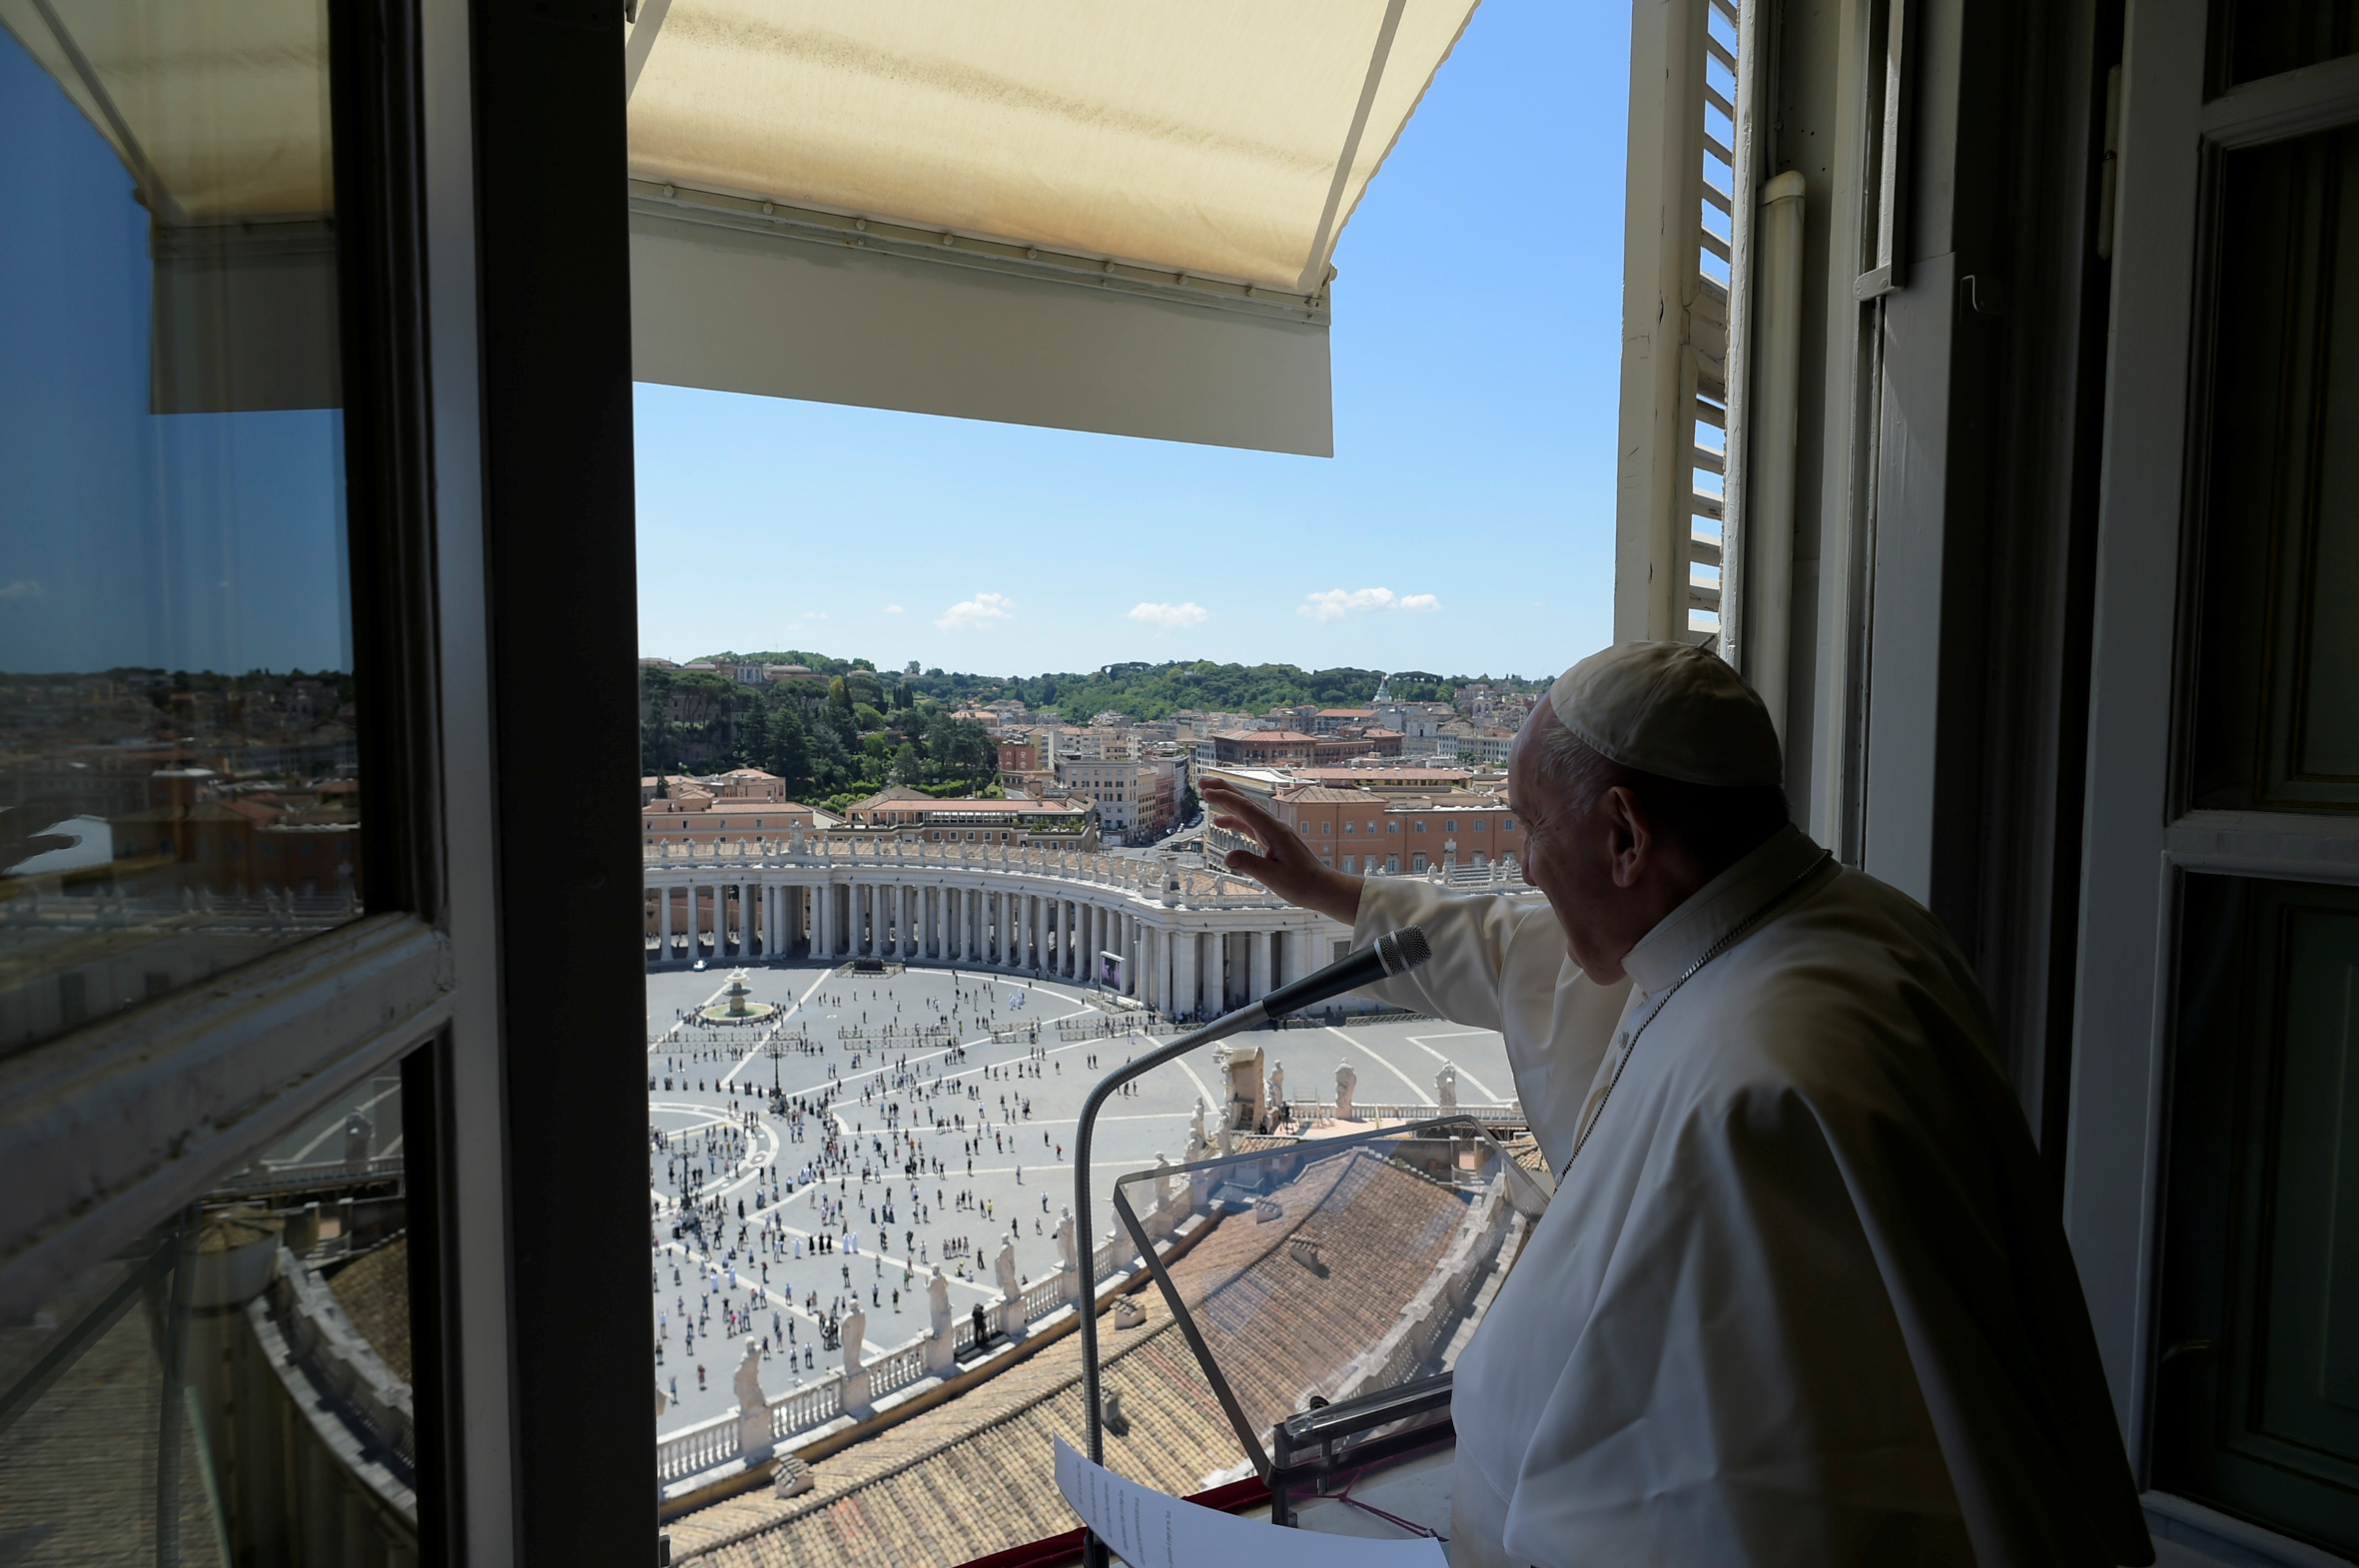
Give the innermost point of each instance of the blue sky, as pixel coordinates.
(1475, 350)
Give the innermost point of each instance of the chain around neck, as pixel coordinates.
(1733, 936)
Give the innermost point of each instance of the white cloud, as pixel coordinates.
(814, 614)
(893, 609)
(22, 588)
(1335, 603)
(974, 614)
(1170, 617)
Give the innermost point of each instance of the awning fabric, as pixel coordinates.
(1204, 137)
(1152, 193)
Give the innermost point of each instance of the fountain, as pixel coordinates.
(736, 1005)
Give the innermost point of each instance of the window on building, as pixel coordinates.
(1393, 865)
(1417, 861)
(1350, 863)
(1420, 825)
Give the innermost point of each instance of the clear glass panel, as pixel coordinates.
(1342, 1269)
(178, 789)
(234, 1388)
(2277, 680)
(2268, 37)
(2257, 1386)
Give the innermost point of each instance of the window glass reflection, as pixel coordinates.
(234, 1388)
(179, 780)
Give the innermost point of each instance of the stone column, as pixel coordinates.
(1259, 987)
(692, 952)
(1183, 966)
(664, 953)
(1214, 985)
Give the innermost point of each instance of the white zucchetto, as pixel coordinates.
(1671, 709)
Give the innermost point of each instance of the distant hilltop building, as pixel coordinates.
(742, 804)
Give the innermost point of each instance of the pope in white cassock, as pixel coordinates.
(1801, 1297)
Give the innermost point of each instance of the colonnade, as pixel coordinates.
(1178, 961)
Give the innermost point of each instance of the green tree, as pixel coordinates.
(906, 767)
(789, 745)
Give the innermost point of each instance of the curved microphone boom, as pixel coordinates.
(1394, 953)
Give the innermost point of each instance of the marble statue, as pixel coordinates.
(1445, 1086)
(1345, 1081)
(1277, 1086)
(937, 1302)
(1064, 1241)
(853, 1329)
(753, 1407)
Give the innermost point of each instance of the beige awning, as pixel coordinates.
(1228, 137)
(1131, 207)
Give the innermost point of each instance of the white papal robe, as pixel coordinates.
(1803, 1297)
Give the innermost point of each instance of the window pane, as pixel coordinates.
(2257, 1386)
(178, 788)
(234, 1388)
(2269, 37)
(2278, 685)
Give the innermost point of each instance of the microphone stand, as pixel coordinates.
(1085, 1254)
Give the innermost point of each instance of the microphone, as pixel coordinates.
(1394, 953)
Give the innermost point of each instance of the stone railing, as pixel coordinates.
(1045, 1296)
(695, 1449)
(1160, 878)
(266, 1177)
(897, 1370)
(814, 1404)
(267, 910)
(1310, 1110)
(352, 1381)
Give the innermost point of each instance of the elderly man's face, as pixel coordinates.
(1560, 850)
(1607, 875)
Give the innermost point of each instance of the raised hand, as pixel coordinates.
(1286, 864)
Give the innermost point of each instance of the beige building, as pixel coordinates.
(1131, 796)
